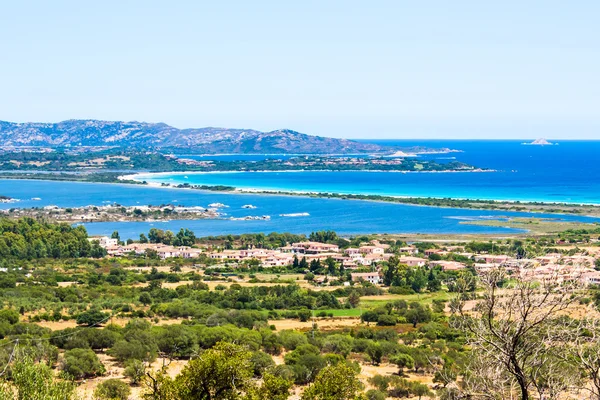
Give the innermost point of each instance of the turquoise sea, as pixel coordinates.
(566, 172)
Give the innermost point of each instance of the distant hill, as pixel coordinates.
(143, 135)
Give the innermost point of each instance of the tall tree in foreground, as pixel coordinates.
(35, 381)
(513, 335)
(335, 382)
(582, 348)
(223, 372)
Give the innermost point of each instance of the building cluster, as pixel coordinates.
(113, 248)
(554, 267)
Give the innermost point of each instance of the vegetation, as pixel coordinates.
(427, 333)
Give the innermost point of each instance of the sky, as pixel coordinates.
(356, 69)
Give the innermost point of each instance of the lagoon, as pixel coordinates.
(347, 217)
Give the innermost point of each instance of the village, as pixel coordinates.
(366, 262)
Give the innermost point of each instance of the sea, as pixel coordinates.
(564, 172)
(568, 171)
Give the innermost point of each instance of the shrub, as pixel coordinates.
(112, 389)
(135, 371)
(375, 395)
(386, 320)
(91, 317)
(82, 363)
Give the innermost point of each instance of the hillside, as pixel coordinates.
(143, 135)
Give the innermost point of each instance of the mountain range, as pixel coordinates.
(160, 136)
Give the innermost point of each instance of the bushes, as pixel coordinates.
(35, 381)
(176, 341)
(386, 320)
(135, 370)
(112, 389)
(92, 318)
(82, 363)
(375, 395)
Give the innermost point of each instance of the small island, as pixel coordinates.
(539, 142)
(114, 213)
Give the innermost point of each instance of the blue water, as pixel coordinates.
(344, 216)
(567, 172)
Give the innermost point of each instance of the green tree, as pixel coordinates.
(92, 317)
(375, 352)
(402, 361)
(135, 371)
(145, 298)
(35, 381)
(221, 373)
(272, 388)
(335, 382)
(82, 363)
(389, 274)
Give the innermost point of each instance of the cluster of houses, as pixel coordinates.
(113, 248)
(554, 267)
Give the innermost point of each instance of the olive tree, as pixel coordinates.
(513, 336)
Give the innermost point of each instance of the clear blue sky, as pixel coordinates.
(357, 69)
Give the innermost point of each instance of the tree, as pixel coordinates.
(143, 238)
(81, 363)
(369, 316)
(420, 390)
(331, 269)
(32, 380)
(402, 361)
(375, 352)
(338, 344)
(272, 388)
(304, 315)
(92, 318)
(115, 235)
(335, 382)
(135, 371)
(354, 299)
(389, 274)
(220, 373)
(112, 389)
(145, 298)
(303, 265)
(176, 341)
(513, 337)
(581, 346)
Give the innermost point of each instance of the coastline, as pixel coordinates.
(565, 208)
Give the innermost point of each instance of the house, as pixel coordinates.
(491, 258)
(429, 252)
(371, 250)
(448, 265)
(412, 261)
(352, 252)
(409, 249)
(372, 277)
(188, 252)
(590, 278)
(105, 241)
(314, 248)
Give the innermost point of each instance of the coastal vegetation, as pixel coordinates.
(157, 162)
(138, 326)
